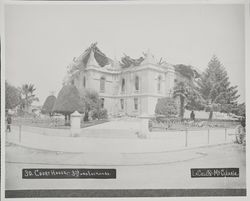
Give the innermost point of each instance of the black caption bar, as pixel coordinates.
(215, 172)
(69, 173)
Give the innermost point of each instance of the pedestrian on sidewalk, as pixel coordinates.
(9, 121)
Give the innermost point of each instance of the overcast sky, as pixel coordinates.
(41, 40)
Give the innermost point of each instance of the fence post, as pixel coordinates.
(186, 140)
(208, 136)
(20, 134)
(225, 134)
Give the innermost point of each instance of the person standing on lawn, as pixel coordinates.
(192, 116)
(9, 121)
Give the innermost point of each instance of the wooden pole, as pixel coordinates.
(208, 136)
(20, 134)
(225, 134)
(186, 140)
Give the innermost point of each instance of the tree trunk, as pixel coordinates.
(69, 123)
(182, 107)
(86, 116)
(65, 120)
(211, 115)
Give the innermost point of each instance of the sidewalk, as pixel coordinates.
(157, 142)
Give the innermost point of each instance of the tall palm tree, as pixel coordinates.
(27, 96)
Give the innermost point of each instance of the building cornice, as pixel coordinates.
(154, 67)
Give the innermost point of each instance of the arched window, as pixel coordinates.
(84, 81)
(137, 83)
(123, 85)
(102, 84)
(159, 83)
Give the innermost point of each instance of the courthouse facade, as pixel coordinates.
(131, 89)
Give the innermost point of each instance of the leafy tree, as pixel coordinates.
(67, 102)
(215, 89)
(189, 97)
(239, 109)
(12, 96)
(186, 89)
(181, 91)
(166, 106)
(48, 105)
(27, 96)
(194, 100)
(91, 101)
(187, 71)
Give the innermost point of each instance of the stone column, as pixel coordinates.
(144, 126)
(75, 123)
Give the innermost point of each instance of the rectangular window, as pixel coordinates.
(136, 83)
(122, 103)
(159, 84)
(102, 84)
(84, 82)
(123, 85)
(136, 103)
(102, 102)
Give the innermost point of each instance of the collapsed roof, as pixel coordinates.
(127, 61)
(99, 56)
(93, 54)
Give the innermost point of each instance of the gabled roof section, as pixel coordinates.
(98, 55)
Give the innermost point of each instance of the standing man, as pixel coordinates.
(192, 116)
(9, 120)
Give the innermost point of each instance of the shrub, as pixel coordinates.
(68, 101)
(167, 107)
(99, 114)
(91, 101)
(48, 105)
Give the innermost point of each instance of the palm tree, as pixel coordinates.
(27, 96)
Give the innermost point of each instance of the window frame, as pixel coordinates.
(102, 84)
(137, 83)
(136, 104)
(122, 103)
(123, 85)
(102, 102)
(84, 81)
(159, 80)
